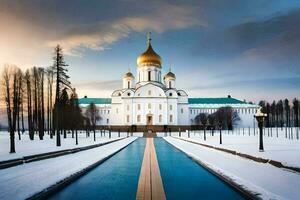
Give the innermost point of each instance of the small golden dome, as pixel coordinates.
(128, 75)
(170, 76)
(149, 57)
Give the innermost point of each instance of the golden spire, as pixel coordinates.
(149, 57)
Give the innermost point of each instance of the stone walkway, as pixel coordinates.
(150, 184)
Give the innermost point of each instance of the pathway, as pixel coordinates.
(150, 184)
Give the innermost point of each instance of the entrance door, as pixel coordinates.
(149, 120)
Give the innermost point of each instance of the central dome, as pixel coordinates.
(149, 57)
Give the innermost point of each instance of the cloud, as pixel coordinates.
(98, 35)
(97, 88)
(100, 85)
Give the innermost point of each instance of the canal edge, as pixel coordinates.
(246, 156)
(43, 156)
(248, 194)
(47, 192)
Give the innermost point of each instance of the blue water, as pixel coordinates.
(185, 179)
(116, 178)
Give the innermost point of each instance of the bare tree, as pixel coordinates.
(227, 116)
(92, 113)
(11, 85)
(29, 104)
(202, 119)
(296, 112)
(49, 102)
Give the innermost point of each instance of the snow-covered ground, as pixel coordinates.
(23, 181)
(25, 146)
(276, 148)
(269, 181)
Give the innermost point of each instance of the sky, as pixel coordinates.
(248, 49)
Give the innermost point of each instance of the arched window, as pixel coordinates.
(149, 105)
(170, 85)
(139, 106)
(149, 92)
(128, 84)
(127, 118)
(160, 106)
(149, 75)
(171, 118)
(128, 107)
(139, 118)
(160, 118)
(171, 107)
(181, 110)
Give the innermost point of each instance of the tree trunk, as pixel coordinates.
(94, 135)
(76, 135)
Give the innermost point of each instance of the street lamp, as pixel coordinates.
(260, 117)
(220, 127)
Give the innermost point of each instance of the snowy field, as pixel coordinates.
(25, 146)
(20, 182)
(276, 148)
(269, 181)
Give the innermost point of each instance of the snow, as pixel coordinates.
(26, 147)
(269, 181)
(284, 150)
(20, 182)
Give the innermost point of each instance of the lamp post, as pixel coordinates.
(260, 117)
(220, 127)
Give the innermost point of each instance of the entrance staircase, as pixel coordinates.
(149, 133)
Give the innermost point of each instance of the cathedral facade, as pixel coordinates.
(151, 98)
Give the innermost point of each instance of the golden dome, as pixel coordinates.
(170, 75)
(149, 57)
(128, 75)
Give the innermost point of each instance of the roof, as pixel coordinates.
(224, 100)
(95, 100)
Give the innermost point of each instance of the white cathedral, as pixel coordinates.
(149, 99)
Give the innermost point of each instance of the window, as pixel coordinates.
(128, 85)
(149, 75)
(171, 118)
(181, 110)
(128, 94)
(170, 85)
(107, 111)
(127, 118)
(139, 106)
(119, 94)
(160, 106)
(171, 94)
(191, 111)
(160, 118)
(171, 107)
(138, 118)
(149, 105)
(127, 107)
(149, 92)
(107, 121)
(178, 93)
(117, 110)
